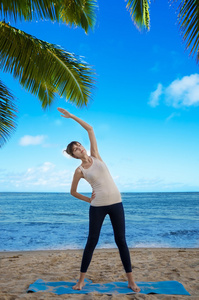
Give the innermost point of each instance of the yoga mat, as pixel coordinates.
(62, 287)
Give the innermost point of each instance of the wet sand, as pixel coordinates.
(19, 269)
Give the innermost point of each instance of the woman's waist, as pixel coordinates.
(99, 193)
(105, 201)
(106, 198)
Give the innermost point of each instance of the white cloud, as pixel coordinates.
(31, 140)
(155, 96)
(47, 178)
(182, 92)
(42, 177)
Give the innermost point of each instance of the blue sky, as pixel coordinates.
(144, 108)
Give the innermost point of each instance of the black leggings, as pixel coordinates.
(96, 218)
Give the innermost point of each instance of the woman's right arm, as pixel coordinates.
(93, 143)
(76, 178)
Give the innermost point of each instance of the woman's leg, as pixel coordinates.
(116, 213)
(96, 218)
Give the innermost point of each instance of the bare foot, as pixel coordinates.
(134, 287)
(78, 286)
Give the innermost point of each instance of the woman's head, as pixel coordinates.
(75, 149)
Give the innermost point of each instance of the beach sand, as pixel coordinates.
(19, 269)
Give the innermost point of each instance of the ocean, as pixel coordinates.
(44, 221)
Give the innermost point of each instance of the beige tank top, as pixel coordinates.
(106, 191)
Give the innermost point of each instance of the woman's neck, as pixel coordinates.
(86, 159)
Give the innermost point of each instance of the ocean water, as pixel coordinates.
(41, 221)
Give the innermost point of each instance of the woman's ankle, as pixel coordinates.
(82, 277)
(130, 277)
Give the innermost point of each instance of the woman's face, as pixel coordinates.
(78, 150)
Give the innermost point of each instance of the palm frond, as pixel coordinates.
(188, 18)
(139, 11)
(44, 69)
(7, 114)
(29, 9)
(77, 12)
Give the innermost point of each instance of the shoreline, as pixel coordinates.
(19, 269)
(96, 250)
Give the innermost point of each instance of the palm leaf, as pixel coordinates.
(139, 11)
(44, 69)
(188, 17)
(7, 113)
(77, 12)
(29, 9)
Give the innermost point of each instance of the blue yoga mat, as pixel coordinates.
(62, 287)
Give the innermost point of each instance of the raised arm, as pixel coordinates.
(89, 129)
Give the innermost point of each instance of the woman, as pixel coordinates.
(105, 199)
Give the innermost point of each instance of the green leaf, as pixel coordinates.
(139, 11)
(79, 12)
(44, 69)
(30, 9)
(73, 12)
(188, 17)
(7, 114)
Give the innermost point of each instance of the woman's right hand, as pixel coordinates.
(64, 112)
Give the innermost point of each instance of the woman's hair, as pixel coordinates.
(69, 148)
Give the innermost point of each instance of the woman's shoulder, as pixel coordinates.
(79, 171)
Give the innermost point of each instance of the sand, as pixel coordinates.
(19, 269)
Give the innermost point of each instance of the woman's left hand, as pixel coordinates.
(93, 196)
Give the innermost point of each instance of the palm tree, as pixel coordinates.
(42, 68)
(188, 18)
